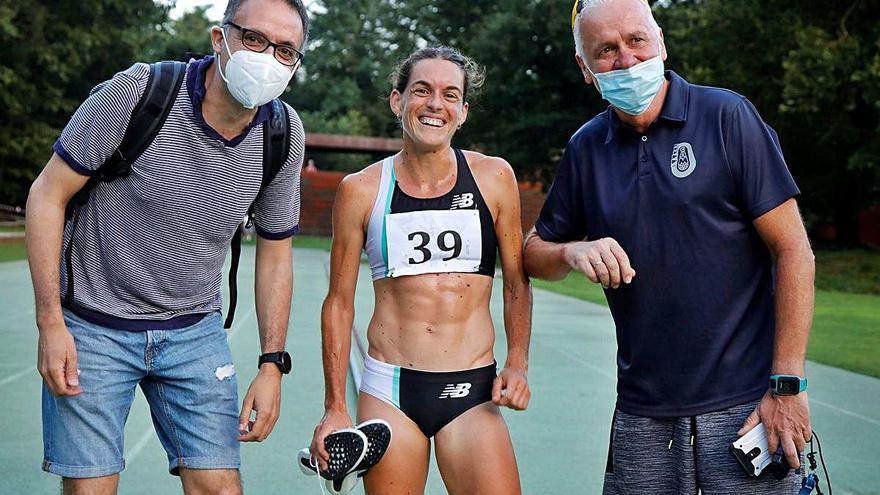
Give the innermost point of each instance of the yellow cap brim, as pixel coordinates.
(574, 11)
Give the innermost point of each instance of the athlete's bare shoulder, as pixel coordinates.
(373, 171)
(492, 173)
(480, 162)
(357, 191)
(362, 181)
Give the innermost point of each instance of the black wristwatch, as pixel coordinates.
(281, 359)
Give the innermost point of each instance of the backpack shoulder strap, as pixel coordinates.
(276, 148)
(147, 118)
(276, 142)
(152, 110)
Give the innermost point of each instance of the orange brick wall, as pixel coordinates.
(319, 190)
(531, 200)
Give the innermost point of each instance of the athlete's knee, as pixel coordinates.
(105, 485)
(211, 481)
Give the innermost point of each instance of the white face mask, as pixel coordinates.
(253, 78)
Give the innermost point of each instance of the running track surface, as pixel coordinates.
(560, 441)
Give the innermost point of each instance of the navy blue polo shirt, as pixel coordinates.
(695, 328)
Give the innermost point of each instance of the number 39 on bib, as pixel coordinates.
(433, 241)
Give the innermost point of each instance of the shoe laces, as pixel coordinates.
(313, 462)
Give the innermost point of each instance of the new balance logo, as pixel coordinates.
(455, 391)
(464, 200)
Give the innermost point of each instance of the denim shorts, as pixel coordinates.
(189, 382)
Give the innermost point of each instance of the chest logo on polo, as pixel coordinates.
(683, 160)
(464, 200)
(455, 391)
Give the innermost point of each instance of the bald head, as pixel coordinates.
(598, 15)
(615, 34)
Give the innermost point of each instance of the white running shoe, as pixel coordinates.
(347, 449)
(378, 433)
(343, 446)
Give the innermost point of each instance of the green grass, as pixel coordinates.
(311, 242)
(846, 331)
(853, 270)
(12, 252)
(575, 285)
(302, 241)
(16, 251)
(846, 327)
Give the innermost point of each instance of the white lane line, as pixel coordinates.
(354, 367)
(139, 446)
(845, 411)
(237, 326)
(148, 432)
(25, 372)
(357, 356)
(611, 376)
(602, 371)
(358, 349)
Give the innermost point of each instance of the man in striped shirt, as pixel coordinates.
(147, 257)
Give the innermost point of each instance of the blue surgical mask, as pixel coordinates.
(632, 90)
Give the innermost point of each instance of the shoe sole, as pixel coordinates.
(378, 433)
(347, 449)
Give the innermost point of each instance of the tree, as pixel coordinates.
(525, 112)
(190, 33)
(535, 96)
(53, 54)
(344, 77)
(812, 68)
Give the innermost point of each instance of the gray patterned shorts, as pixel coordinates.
(641, 459)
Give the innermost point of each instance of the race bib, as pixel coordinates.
(433, 241)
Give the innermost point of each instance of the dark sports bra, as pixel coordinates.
(451, 233)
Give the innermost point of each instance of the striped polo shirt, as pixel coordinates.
(149, 248)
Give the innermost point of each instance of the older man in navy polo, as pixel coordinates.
(677, 199)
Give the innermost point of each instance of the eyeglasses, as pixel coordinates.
(257, 42)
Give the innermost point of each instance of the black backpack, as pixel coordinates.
(147, 118)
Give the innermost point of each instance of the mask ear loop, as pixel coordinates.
(219, 65)
(593, 75)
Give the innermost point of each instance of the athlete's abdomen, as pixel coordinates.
(433, 322)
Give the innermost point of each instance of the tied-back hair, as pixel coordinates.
(474, 75)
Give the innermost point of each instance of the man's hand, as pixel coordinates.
(56, 361)
(512, 380)
(602, 261)
(333, 420)
(787, 421)
(263, 397)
